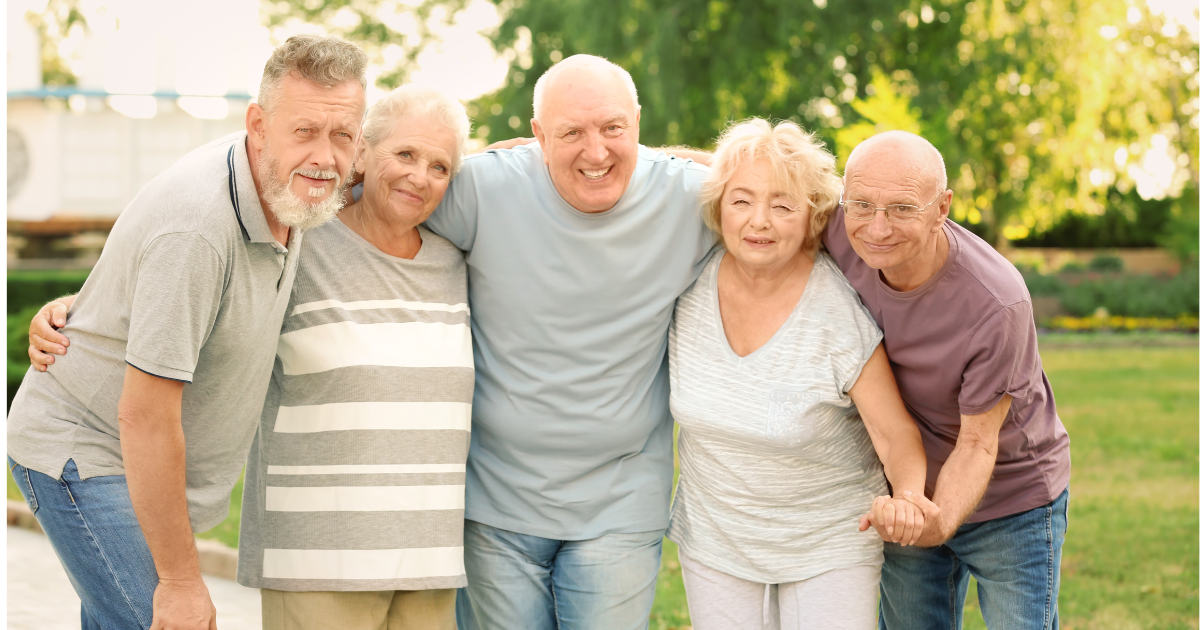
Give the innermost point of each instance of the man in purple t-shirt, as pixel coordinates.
(958, 329)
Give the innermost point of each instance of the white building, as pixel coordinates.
(155, 81)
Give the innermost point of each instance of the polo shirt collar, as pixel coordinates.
(244, 196)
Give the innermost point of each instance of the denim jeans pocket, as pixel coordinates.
(20, 475)
(788, 420)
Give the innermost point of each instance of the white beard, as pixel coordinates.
(291, 210)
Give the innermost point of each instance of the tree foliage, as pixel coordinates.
(1040, 107)
(53, 25)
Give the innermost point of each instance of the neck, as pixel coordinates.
(763, 282)
(280, 231)
(918, 271)
(393, 238)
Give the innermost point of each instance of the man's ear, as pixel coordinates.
(540, 134)
(943, 209)
(256, 124)
(360, 156)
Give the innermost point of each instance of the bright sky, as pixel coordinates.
(132, 40)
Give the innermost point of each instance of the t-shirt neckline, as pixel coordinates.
(364, 243)
(715, 308)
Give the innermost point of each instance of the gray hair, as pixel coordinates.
(413, 100)
(539, 88)
(326, 61)
(932, 157)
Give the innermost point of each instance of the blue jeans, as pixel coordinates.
(521, 581)
(94, 532)
(1015, 559)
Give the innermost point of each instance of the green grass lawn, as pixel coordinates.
(1131, 553)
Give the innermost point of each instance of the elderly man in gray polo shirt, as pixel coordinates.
(191, 289)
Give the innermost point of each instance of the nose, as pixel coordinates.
(879, 227)
(594, 151)
(322, 154)
(760, 216)
(418, 174)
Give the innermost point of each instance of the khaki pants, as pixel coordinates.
(358, 610)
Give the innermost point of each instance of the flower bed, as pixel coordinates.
(1118, 323)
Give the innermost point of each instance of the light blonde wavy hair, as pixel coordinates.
(801, 168)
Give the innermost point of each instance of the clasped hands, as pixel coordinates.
(909, 519)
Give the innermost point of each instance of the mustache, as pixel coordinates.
(316, 174)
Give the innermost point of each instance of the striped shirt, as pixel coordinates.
(775, 464)
(355, 481)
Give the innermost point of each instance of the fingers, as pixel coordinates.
(39, 360)
(918, 525)
(864, 523)
(44, 324)
(901, 521)
(57, 312)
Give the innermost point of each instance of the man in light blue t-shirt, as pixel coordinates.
(577, 248)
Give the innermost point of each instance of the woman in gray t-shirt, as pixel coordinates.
(772, 359)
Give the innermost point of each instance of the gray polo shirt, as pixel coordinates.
(191, 286)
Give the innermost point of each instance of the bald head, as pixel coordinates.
(903, 150)
(581, 70)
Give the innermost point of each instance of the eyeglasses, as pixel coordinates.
(894, 212)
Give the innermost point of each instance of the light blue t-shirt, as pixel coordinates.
(571, 433)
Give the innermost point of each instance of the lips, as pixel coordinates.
(313, 181)
(410, 195)
(595, 174)
(758, 241)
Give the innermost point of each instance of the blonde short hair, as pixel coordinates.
(413, 100)
(801, 168)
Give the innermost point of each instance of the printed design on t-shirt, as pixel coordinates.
(788, 416)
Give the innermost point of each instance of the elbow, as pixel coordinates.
(983, 447)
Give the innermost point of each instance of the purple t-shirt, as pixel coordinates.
(958, 344)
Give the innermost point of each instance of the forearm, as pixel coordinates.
(904, 461)
(961, 485)
(155, 460)
(688, 153)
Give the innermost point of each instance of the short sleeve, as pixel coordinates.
(856, 339)
(457, 217)
(1001, 359)
(180, 281)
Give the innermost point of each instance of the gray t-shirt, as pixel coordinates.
(775, 464)
(355, 481)
(191, 286)
(572, 436)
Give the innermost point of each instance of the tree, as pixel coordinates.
(1041, 107)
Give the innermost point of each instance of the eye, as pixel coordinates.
(405, 154)
(440, 168)
(781, 209)
(741, 202)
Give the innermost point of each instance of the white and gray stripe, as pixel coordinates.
(776, 465)
(356, 480)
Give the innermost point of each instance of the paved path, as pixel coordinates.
(41, 598)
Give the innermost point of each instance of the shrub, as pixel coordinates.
(35, 288)
(18, 343)
(1135, 296)
(1107, 263)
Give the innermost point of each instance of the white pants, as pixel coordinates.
(842, 599)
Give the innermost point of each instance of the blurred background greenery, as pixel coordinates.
(1069, 129)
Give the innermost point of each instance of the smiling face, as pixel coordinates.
(888, 173)
(308, 139)
(761, 226)
(588, 131)
(405, 175)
